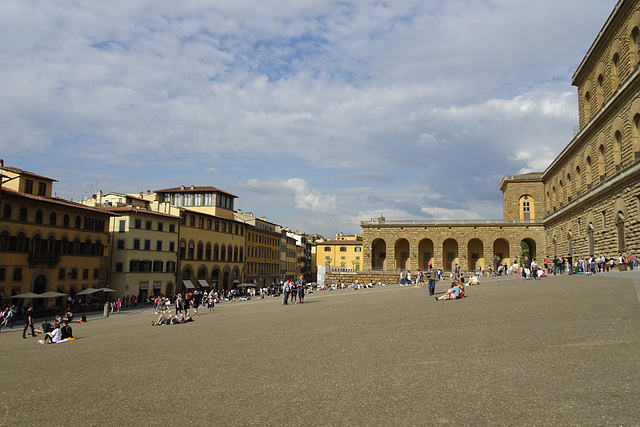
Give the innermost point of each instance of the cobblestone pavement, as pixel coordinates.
(557, 351)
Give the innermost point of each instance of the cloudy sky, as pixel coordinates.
(316, 114)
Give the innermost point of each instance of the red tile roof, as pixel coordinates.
(195, 190)
(23, 172)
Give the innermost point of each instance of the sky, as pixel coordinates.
(316, 114)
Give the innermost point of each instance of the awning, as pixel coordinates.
(144, 285)
(203, 283)
(62, 289)
(75, 289)
(187, 284)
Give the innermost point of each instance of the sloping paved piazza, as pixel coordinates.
(558, 351)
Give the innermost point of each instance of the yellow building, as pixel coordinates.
(263, 250)
(48, 243)
(143, 253)
(212, 247)
(340, 253)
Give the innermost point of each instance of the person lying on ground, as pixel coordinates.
(455, 292)
(171, 320)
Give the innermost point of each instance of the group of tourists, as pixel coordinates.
(292, 290)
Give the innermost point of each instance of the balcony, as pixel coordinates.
(44, 257)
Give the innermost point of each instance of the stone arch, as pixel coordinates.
(635, 132)
(602, 158)
(425, 253)
(402, 251)
(615, 65)
(589, 171)
(475, 251)
(501, 252)
(226, 279)
(600, 84)
(633, 30)
(450, 254)
(528, 248)
(620, 213)
(378, 253)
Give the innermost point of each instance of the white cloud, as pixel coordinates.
(337, 105)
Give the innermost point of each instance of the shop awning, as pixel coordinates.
(187, 284)
(203, 283)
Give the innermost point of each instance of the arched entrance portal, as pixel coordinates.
(402, 253)
(225, 281)
(475, 250)
(378, 254)
(527, 249)
(450, 254)
(501, 253)
(425, 253)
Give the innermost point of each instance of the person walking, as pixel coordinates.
(433, 278)
(28, 323)
(285, 292)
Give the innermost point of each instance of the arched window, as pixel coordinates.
(65, 221)
(207, 251)
(617, 150)
(36, 244)
(216, 252)
(99, 248)
(587, 106)
(200, 250)
(22, 243)
(235, 253)
(635, 46)
(599, 92)
(223, 253)
(183, 250)
(6, 212)
(229, 253)
(615, 67)
(78, 222)
(589, 172)
(88, 248)
(39, 216)
(4, 241)
(53, 218)
(241, 254)
(601, 160)
(64, 246)
(23, 214)
(191, 250)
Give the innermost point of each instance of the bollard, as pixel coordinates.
(107, 309)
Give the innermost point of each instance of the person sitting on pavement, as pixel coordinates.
(45, 327)
(455, 292)
(55, 336)
(66, 330)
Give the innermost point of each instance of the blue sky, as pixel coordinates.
(316, 115)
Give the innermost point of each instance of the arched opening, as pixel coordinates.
(225, 281)
(39, 287)
(501, 253)
(527, 248)
(615, 67)
(402, 253)
(591, 238)
(617, 150)
(587, 106)
(620, 230)
(599, 94)
(601, 159)
(527, 207)
(450, 254)
(425, 254)
(589, 173)
(378, 254)
(475, 249)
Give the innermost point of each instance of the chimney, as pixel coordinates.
(1, 163)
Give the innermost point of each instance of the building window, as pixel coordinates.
(197, 200)
(6, 212)
(200, 222)
(39, 216)
(208, 224)
(42, 189)
(119, 267)
(28, 186)
(187, 200)
(224, 227)
(171, 266)
(17, 274)
(172, 246)
(120, 244)
(23, 214)
(216, 225)
(192, 221)
(207, 199)
(343, 249)
(136, 243)
(85, 273)
(147, 245)
(160, 226)
(74, 273)
(65, 221)
(357, 249)
(137, 223)
(121, 226)
(172, 228)
(159, 246)
(157, 265)
(134, 265)
(147, 225)
(96, 273)
(53, 218)
(62, 272)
